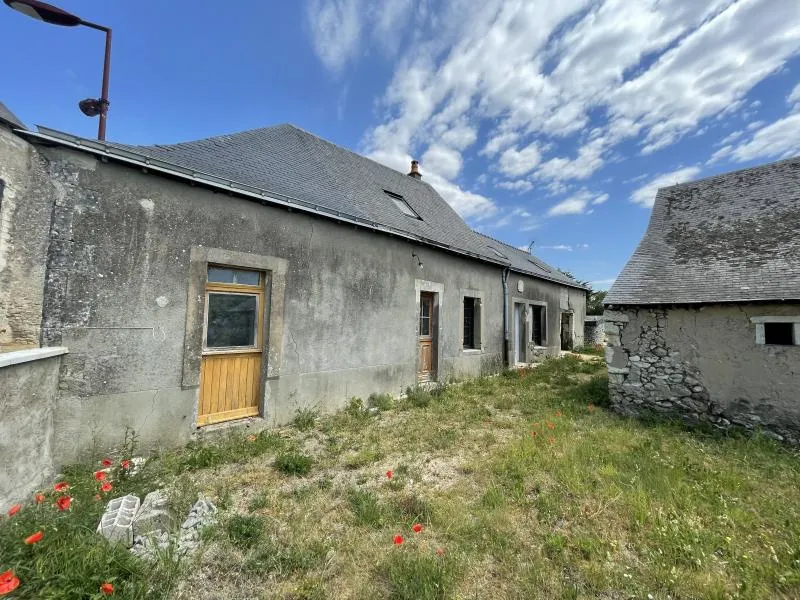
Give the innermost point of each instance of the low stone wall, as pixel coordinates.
(28, 388)
(699, 367)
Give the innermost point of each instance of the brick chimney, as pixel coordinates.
(414, 172)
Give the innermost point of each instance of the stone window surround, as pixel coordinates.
(274, 292)
(761, 336)
(467, 293)
(421, 285)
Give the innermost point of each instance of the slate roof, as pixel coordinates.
(6, 116)
(729, 238)
(525, 262)
(286, 161)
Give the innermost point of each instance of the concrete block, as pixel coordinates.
(155, 514)
(116, 524)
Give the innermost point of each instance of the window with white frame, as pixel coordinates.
(777, 331)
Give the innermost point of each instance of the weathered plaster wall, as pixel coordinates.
(26, 198)
(27, 403)
(557, 299)
(703, 365)
(118, 290)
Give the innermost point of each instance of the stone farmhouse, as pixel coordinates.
(170, 287)
(704, 321)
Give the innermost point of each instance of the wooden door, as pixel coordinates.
(426, 333)
(230, 370)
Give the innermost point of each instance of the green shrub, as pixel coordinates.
(418, 397)
(305, 418)
(245, 531)
(411, 509)
(380, 401)
(415, 575)
(293, 463)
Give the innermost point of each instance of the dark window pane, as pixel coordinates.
(424, 325)
(536, 321)
(246, 277)
(469, 322)
(220, 275)
(232, 320)
(778, 333)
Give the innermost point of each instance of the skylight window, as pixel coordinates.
(496, 251)
(401, 203)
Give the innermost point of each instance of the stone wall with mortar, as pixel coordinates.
(594, 331)
(702, 365)
(26, 201)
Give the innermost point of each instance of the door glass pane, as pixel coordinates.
(220, 275)
(232, 320)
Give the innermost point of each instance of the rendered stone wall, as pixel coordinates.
(28, 388)
(702, 365)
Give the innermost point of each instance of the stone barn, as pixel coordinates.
(703, 323)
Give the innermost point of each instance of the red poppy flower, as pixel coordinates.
(97, 497)
(534, 434)
(125, 464)
(440, 551)
(106, 487)
(61, 487)
(38, 498)
(14, 510)
(8, 582)
(388, 474)
(107, 589)
(398, 539)
(63, 502)
(558, 413)
(106, 462)
(551, 425)
(416, 528)
(99, 475)
(36, 537)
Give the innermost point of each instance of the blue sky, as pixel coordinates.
(546, 121)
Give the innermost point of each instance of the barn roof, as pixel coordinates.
(730, 238)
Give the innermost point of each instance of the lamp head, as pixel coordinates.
(44, 12)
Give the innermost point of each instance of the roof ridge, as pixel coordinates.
(729, 173)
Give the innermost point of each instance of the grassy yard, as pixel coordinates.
(523, 484)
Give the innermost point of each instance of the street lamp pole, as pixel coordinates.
(91, 107)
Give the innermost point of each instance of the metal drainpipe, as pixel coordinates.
(505, 316)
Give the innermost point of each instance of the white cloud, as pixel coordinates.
(646, 195)
(442, 160)
(794, 95)
(778, 139)
(574, 205)
(515, 162)
(755, 125)
(335, 30)
(520, 185)
(600, 199)
(533, 76)
(564, 247)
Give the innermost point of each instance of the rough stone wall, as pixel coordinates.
(594, 331)
(27, 403)
(703, 365)
(26, 197)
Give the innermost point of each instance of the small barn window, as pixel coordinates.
(401, 203)
(777, 331)
(779, 334)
